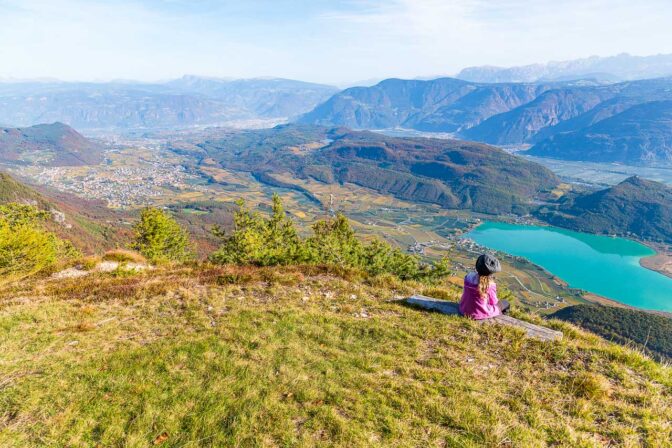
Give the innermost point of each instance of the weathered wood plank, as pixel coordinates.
(445, 307)
(429, 303)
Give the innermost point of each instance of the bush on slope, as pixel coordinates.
(274, 240)
(26, 247)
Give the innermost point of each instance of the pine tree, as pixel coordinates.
(334, 242)
(260, 241)
(160, 238)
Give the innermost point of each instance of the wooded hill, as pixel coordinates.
(647, 331)
(451, 173)
(636, 206)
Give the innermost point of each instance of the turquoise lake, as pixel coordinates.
(600, 264)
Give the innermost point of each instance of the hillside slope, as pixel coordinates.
(12, 190)
(89, 225)
(300, 357)
(641, 134)
(635, 206)
(53, 144)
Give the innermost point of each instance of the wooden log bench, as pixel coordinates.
(445, 307)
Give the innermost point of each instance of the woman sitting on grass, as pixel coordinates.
(479, 298)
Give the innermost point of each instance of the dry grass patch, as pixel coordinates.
(124, 256)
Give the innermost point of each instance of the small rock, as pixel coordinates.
(363, 314)
(107, 266)
(137, 266)
(70, 273)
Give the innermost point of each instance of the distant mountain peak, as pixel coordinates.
(642, 183)
(622, 66)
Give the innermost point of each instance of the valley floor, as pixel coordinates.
(300, 356)
(603, 174)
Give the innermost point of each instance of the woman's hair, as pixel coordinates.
(483, 284)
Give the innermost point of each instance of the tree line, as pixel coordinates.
(27, 247)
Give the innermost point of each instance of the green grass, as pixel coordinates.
(300, 357)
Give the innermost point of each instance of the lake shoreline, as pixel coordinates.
(561, 251)
(661, 262)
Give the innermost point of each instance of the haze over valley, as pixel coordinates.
(185, 102)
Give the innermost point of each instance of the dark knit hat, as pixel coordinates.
(487, 265)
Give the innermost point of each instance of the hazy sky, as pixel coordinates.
(326, 41)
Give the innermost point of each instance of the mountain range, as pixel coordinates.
(53, 144)
(621, 67)
(583, 120)
(445, 104)
(179, 103)
(518, 114)
(639, 134)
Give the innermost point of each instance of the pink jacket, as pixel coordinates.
(473, 305)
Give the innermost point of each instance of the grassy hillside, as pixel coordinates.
(12, 190)
(206, 356)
